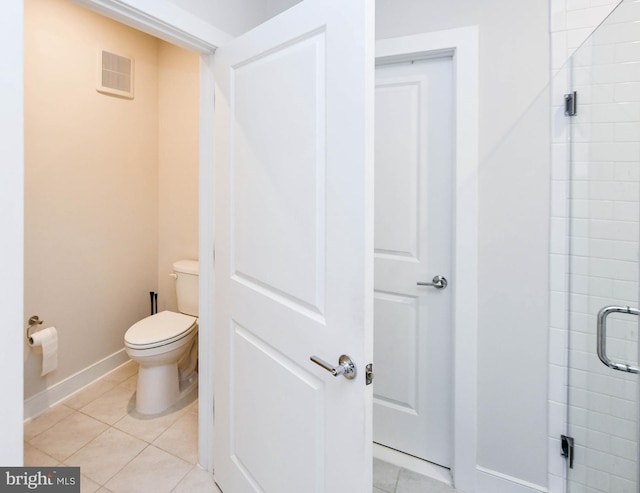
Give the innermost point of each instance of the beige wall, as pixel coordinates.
(93, 168)
(178, 87)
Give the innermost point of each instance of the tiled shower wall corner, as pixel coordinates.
(608, 187)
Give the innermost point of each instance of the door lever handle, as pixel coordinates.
(438, 282)
(346, 367)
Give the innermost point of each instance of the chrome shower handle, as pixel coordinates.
(438, 282)
(602, 337)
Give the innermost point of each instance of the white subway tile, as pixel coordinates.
(558, 305)
(629, 131)
(579, 304)
(628, 92)
(558, 21)
(560, 162)
(577, 4)
(586, 18)
(557, 347)
(623, 428)
(628, 172)
(576, 37)
(559, 198)
(625, 211)
(596, 439)
(599, 480)
(625, 409)
(627, 52)
(625, 250)
(558, 268)
(597, 459)
(559, 239)
(557, 374)
(626, 291)
(624, 468)
(559, 50)
(622, 447)
(621, 485)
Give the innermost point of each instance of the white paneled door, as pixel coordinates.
(413, 211)
(294, 252)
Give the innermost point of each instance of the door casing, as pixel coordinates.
(462, 44)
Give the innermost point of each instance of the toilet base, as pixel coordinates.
(158, 388)
(187, 384)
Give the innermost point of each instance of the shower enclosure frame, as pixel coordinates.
(597, 276)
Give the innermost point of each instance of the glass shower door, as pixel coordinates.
(604, 258)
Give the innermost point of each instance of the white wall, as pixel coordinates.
(231, 16)
(11, 225)
(513, 220)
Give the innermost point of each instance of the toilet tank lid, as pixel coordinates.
(186, 266)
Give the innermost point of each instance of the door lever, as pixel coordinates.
(346, 367)
(438, 282)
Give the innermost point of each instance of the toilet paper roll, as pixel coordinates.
(48, 340)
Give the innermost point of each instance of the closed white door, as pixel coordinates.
(294, 252)
(413, 215)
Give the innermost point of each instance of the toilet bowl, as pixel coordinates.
(157, 343)
(165, 347)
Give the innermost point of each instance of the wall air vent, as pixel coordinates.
(115, 74)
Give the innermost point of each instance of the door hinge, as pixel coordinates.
(369, 373)
(567, 449)
(571, 104)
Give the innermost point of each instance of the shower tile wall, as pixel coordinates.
(605, 214)
(603, 200)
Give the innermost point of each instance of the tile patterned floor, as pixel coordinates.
(121, 451)
(388, 478)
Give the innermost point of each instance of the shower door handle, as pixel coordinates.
(602, 337)
(438, 282)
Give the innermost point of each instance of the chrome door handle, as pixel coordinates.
(602, 337)
(346, 367)
(438, 282)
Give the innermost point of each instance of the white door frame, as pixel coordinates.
(166, 21)
(463, 45)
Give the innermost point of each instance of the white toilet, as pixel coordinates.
(165, 346)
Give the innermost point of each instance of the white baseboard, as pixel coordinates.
(39, 403)
(412, 463)
(495, 482)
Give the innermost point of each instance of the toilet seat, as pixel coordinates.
(160, 329)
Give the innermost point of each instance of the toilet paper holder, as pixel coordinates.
(34, 321)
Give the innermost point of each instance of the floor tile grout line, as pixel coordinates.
(183, 477)
(180, 413)
(123, 467)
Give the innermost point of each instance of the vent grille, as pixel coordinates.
(116, 74)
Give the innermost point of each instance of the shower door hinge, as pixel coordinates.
(567, 449)
(571, 104)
